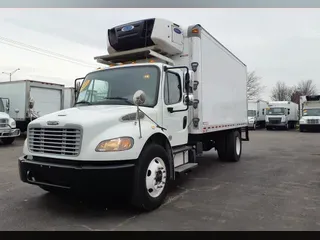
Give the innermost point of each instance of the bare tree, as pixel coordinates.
(281, 92)
(254, 87)
(307, 87)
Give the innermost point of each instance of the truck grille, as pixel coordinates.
(313, 121)
(57, 141)
(3, 122)
(275, 120)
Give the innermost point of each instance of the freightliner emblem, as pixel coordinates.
(53, 123)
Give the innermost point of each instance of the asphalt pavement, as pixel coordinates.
(275, 186)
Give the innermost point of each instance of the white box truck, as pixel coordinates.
(282, 114)
(8, 129)
(257, 113)
(310, 113)
(169, 94)
(69, 97)
(30, 99)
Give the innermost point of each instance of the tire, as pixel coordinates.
(254, 127)
(230, 150)
(146, 196)
(8, 141)
(268, 128)
(301, 129)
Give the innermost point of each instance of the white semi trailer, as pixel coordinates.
(169, 94)
(282, 114)
(310, 113)
(31, 99)
(257, 113)
(8, 129)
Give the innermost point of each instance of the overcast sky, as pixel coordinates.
(279, 44)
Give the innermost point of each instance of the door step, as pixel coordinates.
(185, 168)
(181, 149)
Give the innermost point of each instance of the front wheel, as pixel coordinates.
(151, 178)
(8, 141)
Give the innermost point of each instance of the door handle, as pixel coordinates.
(184, 124)
(170, 109)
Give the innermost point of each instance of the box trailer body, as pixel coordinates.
(31, 99)
(257, 113)
(282, 114)
(69, 97)
(309, 113)
(169, 94)
(8, 129)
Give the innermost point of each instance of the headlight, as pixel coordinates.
(13, 124)
(302, 121)
(114, 145)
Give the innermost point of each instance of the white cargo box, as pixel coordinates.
(222, 85)
(47, 97)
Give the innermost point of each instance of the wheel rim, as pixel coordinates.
(156, 177)
(238, 146)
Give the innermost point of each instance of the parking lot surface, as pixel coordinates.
(275, 186)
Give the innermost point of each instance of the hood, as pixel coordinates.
(4, 115)
(91, 115)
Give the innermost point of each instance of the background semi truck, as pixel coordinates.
(8, 130)
(310, 113)
(169, 94)
(30, 99)
(282, 114)
(257, 113)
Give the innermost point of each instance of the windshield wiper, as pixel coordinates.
(84, 102)
(119, 98)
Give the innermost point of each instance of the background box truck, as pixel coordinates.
(310, 113)
(8, 130)
(282, 114)
(257, 113)
(30, 99)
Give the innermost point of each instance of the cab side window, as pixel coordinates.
(172, 89)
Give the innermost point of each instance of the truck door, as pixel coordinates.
(175, 122)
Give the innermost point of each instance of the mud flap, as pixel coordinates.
(245, 130)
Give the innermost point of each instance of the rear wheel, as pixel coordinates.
(8, 141)
(231, 148)
(151, 178)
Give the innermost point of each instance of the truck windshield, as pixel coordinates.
(311, 112)
(1, 106)
(252, 113)
(117, 86)
(276, 111)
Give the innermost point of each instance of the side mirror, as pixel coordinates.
(7, 106)
(187, 81)
(139, 98)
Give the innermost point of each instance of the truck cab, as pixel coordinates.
(310, 117)
(8, 130)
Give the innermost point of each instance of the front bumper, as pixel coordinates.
(78, 176)
(281, 124)
(4, 133)
(251, 124)
(310, 127)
